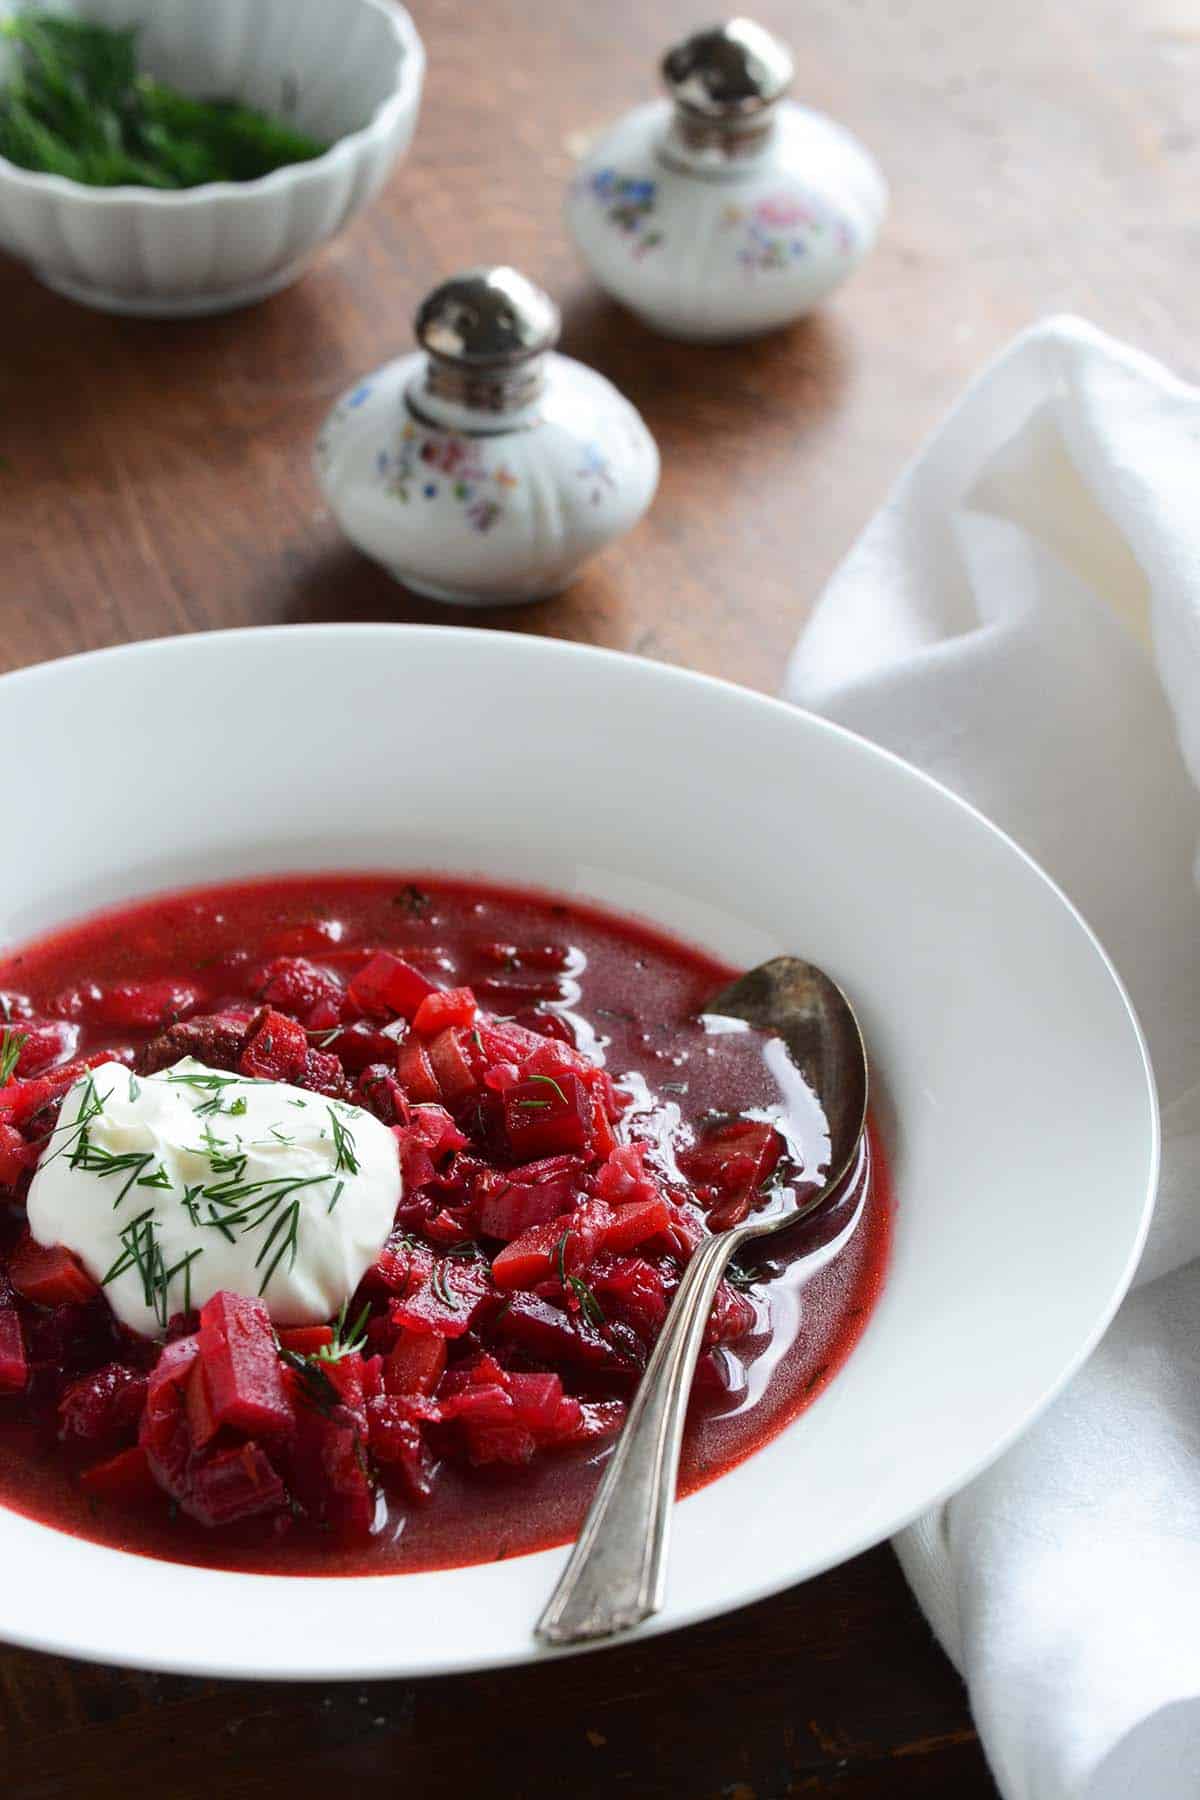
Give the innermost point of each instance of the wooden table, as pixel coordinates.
(155, 479)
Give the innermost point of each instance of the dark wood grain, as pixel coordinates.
(155, 479)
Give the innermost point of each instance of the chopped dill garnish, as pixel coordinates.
(11, 1045)
(589, 1306)
(282, 1239)
(440, 1284)
(74, 104)
(315, 1384)
(415, 901)
(141, 1249)
(346, 1341)
(549, 1079)
(345, 1149)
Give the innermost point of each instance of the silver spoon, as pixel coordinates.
(616, 1575)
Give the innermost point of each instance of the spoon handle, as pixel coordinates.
(616, 1574)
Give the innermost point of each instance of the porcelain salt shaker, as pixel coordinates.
(727, 209)
(485, 468)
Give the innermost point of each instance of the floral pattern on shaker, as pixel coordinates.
(349, 403)
(629, 204)
(595, 471)
(421, 466)
(783, 229)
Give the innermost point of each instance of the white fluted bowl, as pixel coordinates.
(349, 72)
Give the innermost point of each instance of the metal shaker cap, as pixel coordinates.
(731, 71)
(487, 318)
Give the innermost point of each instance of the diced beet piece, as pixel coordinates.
(358, 1046)
(49, 1274)
(548, 1024)
(505, 1208)
(142, 1005)
(556, 1060)
(507, 1042)
(390, 985)
(448, 1006)
(323, 1074)
(125, 1479)
(531, 1258)
(686, 1231)
(15, 1156)
(103, 1406)
(414, 1072)
(732, 1316)
(398, 1443)
(508, 1443)
(481, 1403)
(327, 1454)
(380, 1093)
(21, 1101)
(600, 1420)
(451, 1065)
(239, 1483)
(551, 1335)
(734, 1160)
(47, 1041)
(500, 1077)
(635, 1292)
(237, 1347)
(564, 1246)
(447, 1300)
(14, 1369)
(202, 1422)
(415, 1363)
(361, 1045)
(400, 1265)
(631, 1225)
(624, 1177)
(278, 1049)
(162, 1432)
(305, 1340)
(294, 985)
(536, 1400)
(428, 1138)
(602, 1139)
(546, 1115)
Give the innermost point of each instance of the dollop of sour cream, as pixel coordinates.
(174, 1186)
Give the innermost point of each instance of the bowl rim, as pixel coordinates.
(695, 1608)
(402, 98)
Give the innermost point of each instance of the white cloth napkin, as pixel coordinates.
(1022, 620)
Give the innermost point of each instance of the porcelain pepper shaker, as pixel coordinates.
(726, 209)
(485, 468)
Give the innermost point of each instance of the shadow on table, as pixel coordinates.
(785, 379)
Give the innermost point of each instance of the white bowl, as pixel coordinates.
(1012, 1081)
(349, 72)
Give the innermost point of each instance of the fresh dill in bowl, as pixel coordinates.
(73, 103)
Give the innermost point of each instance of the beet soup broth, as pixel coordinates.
(568, 1127)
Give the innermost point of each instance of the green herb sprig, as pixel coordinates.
(11, 1045)
(75, 105)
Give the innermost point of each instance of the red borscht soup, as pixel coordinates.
(568, 1125)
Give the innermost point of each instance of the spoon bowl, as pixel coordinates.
(616, 1575)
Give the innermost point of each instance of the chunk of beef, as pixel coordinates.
(215, 1039)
